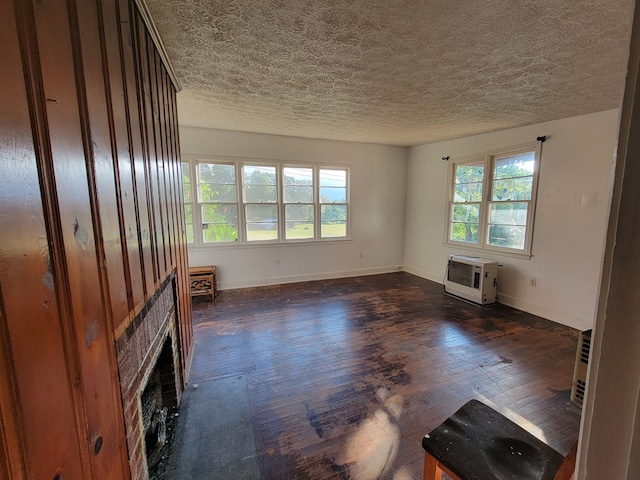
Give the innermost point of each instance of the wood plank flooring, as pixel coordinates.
(346, 376)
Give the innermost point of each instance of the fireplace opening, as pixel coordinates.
(159, 401)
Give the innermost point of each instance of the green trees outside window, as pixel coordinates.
(252, 202)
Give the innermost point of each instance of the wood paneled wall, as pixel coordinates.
(91, 223)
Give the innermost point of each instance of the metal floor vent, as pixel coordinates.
(579, 384)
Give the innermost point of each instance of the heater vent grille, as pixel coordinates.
(579, 384)
(460, 273)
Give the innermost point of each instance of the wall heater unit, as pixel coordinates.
(472, 278)
(579, 384)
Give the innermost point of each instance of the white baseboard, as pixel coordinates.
(562, 318)
(258, 282)
(424, 274)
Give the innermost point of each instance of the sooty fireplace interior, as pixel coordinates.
(150, 381)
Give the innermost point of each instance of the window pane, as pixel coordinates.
(219, 233)
(219, 223)
(299, 213)
(262, 222)
(259, 184)
(333, 195)
(333, 229)
(468, 192)
(469, 173)
(212, 213)
(298, 194)
(469, 213)
(332, 213)
(262, 213)
(508, 213)
(186, 182)
(506, 236)
(261, 231)
(186, 172)
(260, 194)
(507, 224)
(520, 165)
(333, 178)
(298, 185)
(299, 221)
(216, 192)
(464, 232)
(259, 175)
(512, 189)
(188, 220)
(333, 221)
(216, 183)
(217, 173)
(333, 186)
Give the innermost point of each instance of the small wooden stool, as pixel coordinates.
(203, 281)
(478, 443)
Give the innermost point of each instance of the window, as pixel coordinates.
(466, 202)
(260, 197)
(217, 201)
(333, 200)
(299, 207)
(495, 212)
(253, 202)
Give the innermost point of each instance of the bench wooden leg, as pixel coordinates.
(433, 469)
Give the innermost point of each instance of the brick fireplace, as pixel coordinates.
(148, 354)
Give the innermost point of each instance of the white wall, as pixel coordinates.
(568, 242)
(378, 184)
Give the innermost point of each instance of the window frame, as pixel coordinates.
(240, 202)
(489, 161)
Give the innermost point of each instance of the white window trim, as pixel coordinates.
(489, 158)
(242, 241)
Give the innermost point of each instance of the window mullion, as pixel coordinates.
(280, 203)
(487, 191)
(242, 206)
(198, 232)
(317, 220)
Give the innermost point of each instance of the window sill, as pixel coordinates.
(488, 251)
(290, 243)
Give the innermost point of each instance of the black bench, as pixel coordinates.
(478, 443)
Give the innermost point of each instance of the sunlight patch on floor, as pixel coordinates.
(373, 447)
(530, 427)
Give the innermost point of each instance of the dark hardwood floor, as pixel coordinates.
(346, 376)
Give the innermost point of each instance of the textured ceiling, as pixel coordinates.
(397, 72)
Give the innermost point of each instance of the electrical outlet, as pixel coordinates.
(533, 281)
